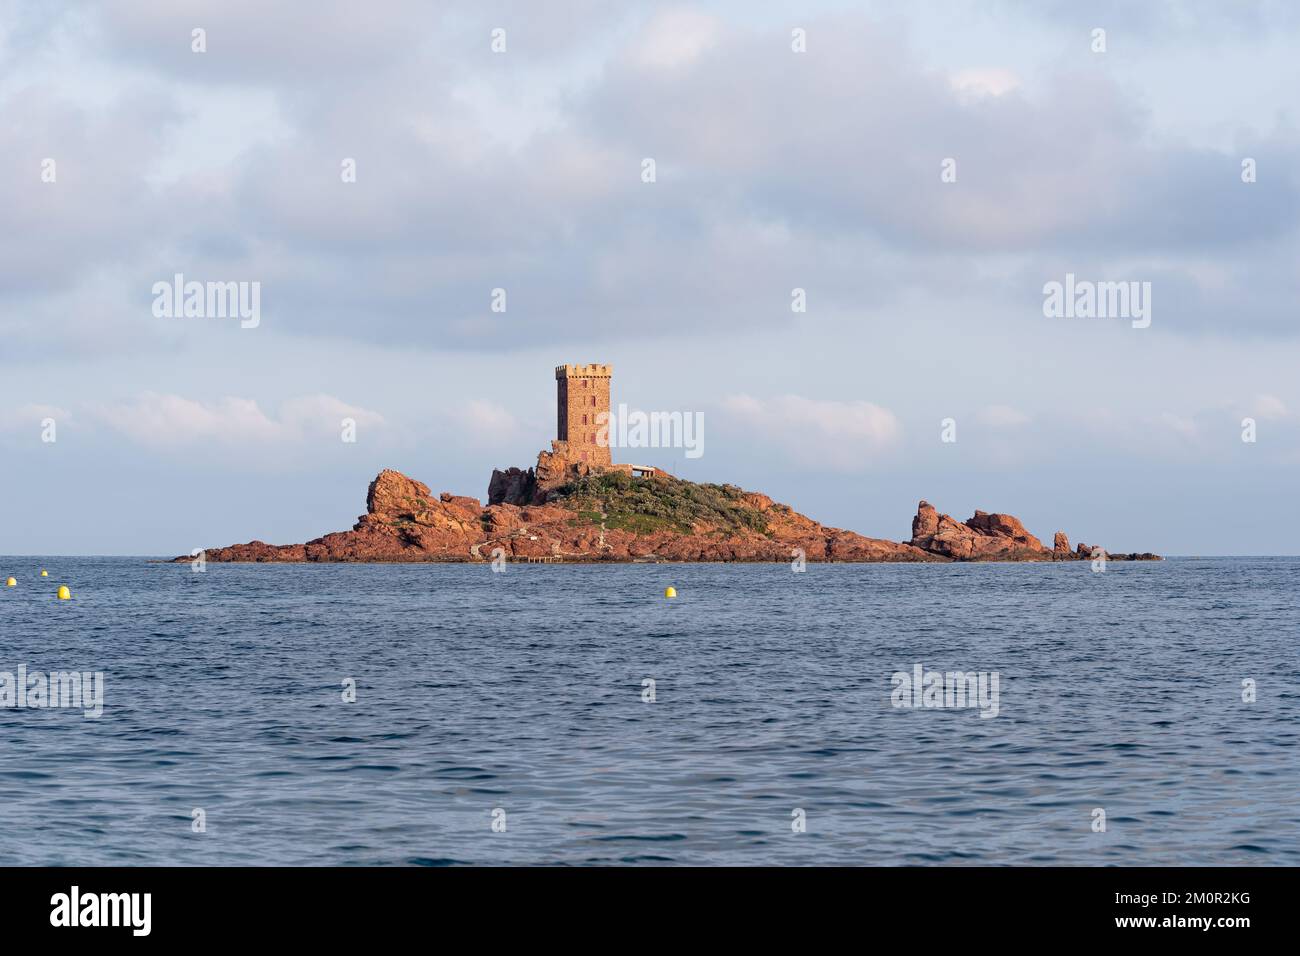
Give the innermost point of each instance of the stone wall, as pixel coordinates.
(582, 396)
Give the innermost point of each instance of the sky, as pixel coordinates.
(920, 170)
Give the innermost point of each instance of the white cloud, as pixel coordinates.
(487, 420)
(675, 38)
(313, 414)
(841, 435)
(1179, 424)
(31, 416)
(172, 420)
(1269, 407)
(1001, 416)
(984, 81)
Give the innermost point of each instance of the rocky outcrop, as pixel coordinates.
(995, 537)
(549, 514)
(985, 537)
(1061, 547)
(514, 486)
(1003, 526)
(555, 469)
(1091, 552)
(392, 493)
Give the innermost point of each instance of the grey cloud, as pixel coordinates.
(859, 151)
(1156, 21)
(775, 171)
(100, 209)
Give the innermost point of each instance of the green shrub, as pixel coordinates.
(661, 503)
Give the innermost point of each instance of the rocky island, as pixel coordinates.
(576, 504)
(568, 511)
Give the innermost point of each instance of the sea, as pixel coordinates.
(439, 714)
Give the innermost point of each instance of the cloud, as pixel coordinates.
(485, 421)
(824, 174)
(840, 435)
(985, 81)
(74, 186)
(1001, 416)
(165, 422)
(173, 421)
(30, 416)
(1182, 425)
(1269, 407)
(674, 38)
(1159, 21)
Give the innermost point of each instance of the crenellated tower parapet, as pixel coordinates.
(582, 397)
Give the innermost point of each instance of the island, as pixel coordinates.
(577, 505)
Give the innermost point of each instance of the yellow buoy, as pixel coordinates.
(11, 583)
(44, 573)
(670, 592)
(64, 593)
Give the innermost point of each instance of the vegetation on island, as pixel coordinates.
(659, 503)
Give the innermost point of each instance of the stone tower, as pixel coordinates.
(582, 394)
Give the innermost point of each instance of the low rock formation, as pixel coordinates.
(985, 537)
(565, 510)
(996, 537)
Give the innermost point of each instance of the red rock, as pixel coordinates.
(392, 494)
(514, 486)
(926, 522)
(986, 537)
(465, 503)
(556, 468)
(405, 522)
(1003, 526)
(1061, 547)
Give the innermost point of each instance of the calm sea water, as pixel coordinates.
(522, 692)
